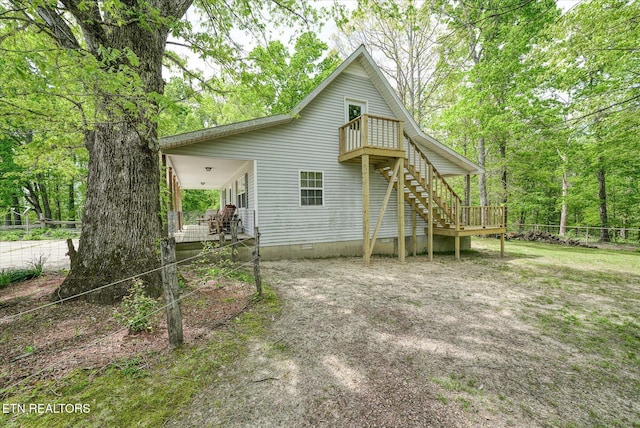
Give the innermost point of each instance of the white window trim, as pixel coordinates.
(362, 103)
(245, 182)
(300, 188)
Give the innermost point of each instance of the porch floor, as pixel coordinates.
(200, 233)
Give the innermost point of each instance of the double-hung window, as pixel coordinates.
(311, 188)
(241, 189)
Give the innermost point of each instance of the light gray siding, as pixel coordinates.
(310, 143)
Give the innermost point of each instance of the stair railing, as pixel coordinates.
(447, 201)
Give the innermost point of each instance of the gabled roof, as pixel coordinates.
(362, 56)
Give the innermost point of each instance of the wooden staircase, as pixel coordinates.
(380, 141)
(433, 199)
(423, 184)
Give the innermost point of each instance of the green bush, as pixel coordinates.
(137, 310)
(9, 276)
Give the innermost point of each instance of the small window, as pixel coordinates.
(311, 188)
(241, 186)
(355, 110)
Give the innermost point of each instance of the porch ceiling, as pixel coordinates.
(192, 171)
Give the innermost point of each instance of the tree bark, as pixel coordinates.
(44, 194)
(71, 204)
(121, 225)
(17, 220)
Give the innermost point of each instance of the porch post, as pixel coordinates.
(365, 210)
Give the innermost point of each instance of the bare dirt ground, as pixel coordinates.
(439, 344)
(51, 342)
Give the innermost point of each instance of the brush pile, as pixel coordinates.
(546, 237)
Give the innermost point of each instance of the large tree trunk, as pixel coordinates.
(121, 226)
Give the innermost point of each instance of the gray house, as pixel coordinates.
(346, 172)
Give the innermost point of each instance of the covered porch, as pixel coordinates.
(232, 178)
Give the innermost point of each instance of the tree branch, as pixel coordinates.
(90, 21)
(603, 109)
(58, 27)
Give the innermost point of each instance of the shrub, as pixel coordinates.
(136, 310)
(9, 276)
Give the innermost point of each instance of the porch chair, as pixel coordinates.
(224, 218)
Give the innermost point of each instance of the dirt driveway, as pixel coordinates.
(416, 344)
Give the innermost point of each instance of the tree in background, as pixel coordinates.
(592, 62)
(271, 80)
(484, 49)
(402, 36)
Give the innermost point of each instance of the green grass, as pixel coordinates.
(11, 275)
(145, 390)
(589, 301)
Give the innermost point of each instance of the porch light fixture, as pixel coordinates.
(208, 168)
(202, 183)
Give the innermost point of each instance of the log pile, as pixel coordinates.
(546, 237)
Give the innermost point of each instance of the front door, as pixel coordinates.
(353, 110)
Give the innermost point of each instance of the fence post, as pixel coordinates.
(171, 292)
(256, 262)
(234, 241)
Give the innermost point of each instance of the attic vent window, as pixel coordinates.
(311, 188)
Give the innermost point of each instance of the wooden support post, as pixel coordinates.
(171, 292)
(366, 244)
(457, 243)
(414, 233)
(502, 235)
(430, 207)
(234, 241)
(385, 202)
(256, 262)
(400, 188)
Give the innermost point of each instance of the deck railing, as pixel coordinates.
(488, 216)
(370, 131)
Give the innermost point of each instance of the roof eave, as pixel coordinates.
(208, 134)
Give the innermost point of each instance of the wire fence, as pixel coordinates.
(585, 234)
(207, 251)
(51, 254)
